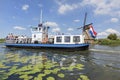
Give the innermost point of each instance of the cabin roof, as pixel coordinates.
(67, 35)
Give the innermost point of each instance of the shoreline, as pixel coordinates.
(2, 40)
(108, 42)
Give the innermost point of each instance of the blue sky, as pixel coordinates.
(65, 16)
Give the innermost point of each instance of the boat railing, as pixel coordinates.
(24, 40)
(19, 40)
(10, 41)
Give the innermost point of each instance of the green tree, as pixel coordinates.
(112, 36)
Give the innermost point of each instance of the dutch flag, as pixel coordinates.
(92, 31)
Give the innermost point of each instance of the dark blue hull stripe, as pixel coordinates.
(48, 45)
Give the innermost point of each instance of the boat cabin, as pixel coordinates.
(36, 34)
(68, 39)
(40, 34)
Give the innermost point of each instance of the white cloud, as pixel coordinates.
(77, 20)
(100, 7)
(40, 5)
(102, 34)
(19, 28)
(51, 24)
(114, 20)
(107, 32)
(110, 30)
(70, 29)
(25, 7)
(57, 29)
(59, 2)
(66, 7)
(108, 7)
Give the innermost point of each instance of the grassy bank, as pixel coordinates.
(2, 40)
(108, 42)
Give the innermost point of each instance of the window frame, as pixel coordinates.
(34, 29)
(76, 38)
(67, 39)
(59, 39)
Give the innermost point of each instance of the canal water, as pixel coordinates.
(98, 63)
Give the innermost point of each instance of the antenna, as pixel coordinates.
(40, 24)
(41, 16)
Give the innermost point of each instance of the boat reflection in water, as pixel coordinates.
(40, 65)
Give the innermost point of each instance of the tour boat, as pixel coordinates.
(41, 39)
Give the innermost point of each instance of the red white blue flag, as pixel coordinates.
(92, 31)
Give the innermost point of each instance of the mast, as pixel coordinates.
(40, 23)
(41, 16)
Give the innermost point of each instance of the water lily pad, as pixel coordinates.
(78, 79)
(80, 65)
(48, 65)
(1, 71)
(50, 78)
(55, 71)
(70, 68)
(40, 76)
(3, 65)
(35, 78)
(12, 70)
(26, 77)
(47, 71)
(61, 75)
(64, 68)
(4, 76)
(84, 77)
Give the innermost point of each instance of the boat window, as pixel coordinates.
(39, 29)
(67, 38)
(59, 39)
(44, 28)
(34, 36)
(34, 29)
(76, 38)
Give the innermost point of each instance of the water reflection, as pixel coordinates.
(34, 64)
